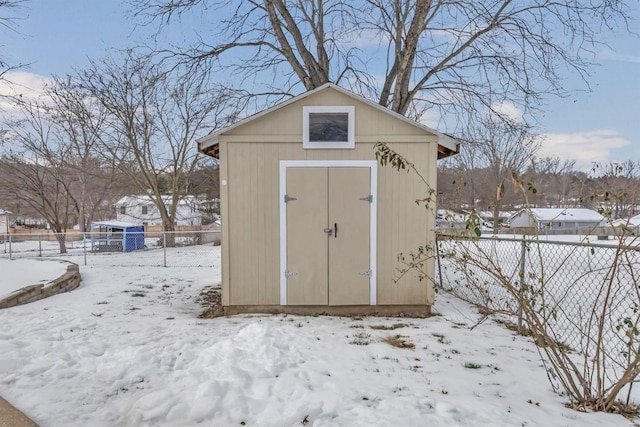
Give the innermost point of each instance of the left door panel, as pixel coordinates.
(307, 241)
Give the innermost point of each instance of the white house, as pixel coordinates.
(556, 218)
(629, 225)
(142, 210)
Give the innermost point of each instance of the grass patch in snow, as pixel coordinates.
(470, 365)
(361, 338)
(389, 328)
(441, 338)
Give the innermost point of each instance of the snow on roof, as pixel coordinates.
(563, 214)
(117, 224)
(3, 212)
(501, 214)
(146, 199)
(634, 221)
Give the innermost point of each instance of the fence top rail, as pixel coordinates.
(535, 239)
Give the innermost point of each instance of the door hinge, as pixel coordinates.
(367, 273)
(288, 198)
(288, 273)
(369, 198)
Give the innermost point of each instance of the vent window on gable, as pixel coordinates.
(328, 127)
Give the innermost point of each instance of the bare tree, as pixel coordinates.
(7, 23)
(89, 177)
(34, 170)
(51, 157)
(503, 150)
(456, 56)
(466, 168)
(615, 190)
(557, 181)
(153, 115)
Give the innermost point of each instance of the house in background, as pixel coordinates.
(447, 219)
(311, 223)
(556, 219)
(629, 226)
(141, 209)
(5, 221)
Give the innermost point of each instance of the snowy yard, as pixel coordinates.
(126, 348)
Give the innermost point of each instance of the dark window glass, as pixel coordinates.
(123, 210)
(144, 210)
(330, 127)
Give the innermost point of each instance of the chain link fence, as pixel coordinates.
(156, 249)
(565, 281)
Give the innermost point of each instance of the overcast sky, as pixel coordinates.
(55, 36)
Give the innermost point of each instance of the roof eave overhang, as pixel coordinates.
(447, 146)
(209, 146)
(212, 149)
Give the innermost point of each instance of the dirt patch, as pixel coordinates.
(210, 299)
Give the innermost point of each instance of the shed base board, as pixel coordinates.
(333, 310)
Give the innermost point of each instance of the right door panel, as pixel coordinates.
(349, 245)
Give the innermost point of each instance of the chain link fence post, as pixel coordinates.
(164, 247)
(40, 245)
(523, 252)
(84, 247)
(438, 261)
(10, 253)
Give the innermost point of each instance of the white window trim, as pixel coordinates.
(373, 166)
(351, 131)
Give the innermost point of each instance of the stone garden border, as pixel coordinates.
(65, 283)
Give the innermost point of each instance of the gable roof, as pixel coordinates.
(563, 214)
(447, 145)
(634, 221)
(145, 199)
(115, 224)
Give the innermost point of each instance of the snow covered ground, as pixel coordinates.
(127, 349)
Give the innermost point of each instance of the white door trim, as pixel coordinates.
(373, 166)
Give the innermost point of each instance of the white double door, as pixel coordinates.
(328, 235)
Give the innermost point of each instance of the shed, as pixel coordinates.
(310, 222)
(556, 219)
(116, 236)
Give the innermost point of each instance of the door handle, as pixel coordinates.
(335, 227)
(328, 231)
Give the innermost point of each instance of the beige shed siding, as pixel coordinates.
(432, 177)
(252, 219)
(370, 122)
(224, 214)
(251, 228)
(403, 226)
